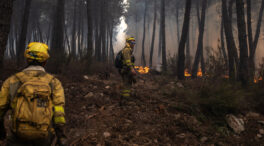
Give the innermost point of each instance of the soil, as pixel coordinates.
(150, 117)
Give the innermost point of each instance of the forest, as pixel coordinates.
(199, 64)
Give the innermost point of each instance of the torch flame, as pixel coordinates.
(142, 70)
(199, 73)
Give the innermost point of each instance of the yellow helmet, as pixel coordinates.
(130, 39)
(37, 51)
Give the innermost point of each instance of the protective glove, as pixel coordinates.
(2, 130)
(62, 138)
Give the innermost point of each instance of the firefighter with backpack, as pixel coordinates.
(36, 99)
(125, 63)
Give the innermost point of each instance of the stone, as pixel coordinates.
(261, 131)
(107, 87)
(90, 94)
(86, 77)
(203, 139)
(261, 122)
(259, 136)
(182, 135)
(107, 134)
(235, 123)
(138, 133)
(179, 85)
(252, 115)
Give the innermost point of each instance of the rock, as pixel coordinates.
(259, 136)
(177, 116)
(182, 135)
(138, 133)
(86, 77)
(261, 122)
(261, 131)
(235, 123)
(107, 87)
(83, 107)
(203, 139)
(129, 121)
(252, 115)
(179, 85)
(90, 94)
(101, 94)
(155, 140)
(107, 134)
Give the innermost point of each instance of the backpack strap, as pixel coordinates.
(22, 77)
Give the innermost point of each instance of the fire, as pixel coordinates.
(187, 74)
(199, 73)
(256, 80)
(142, 70)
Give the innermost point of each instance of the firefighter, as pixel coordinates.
(36, 99)
(127, 71)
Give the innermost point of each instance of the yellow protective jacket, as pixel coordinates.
(127, 56)
(10, 86)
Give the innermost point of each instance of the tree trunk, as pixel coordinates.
(23, 34)
(103, 30)
(57, 45)
(143, 60)
(242, 35)
(199, 52)
(253, 41)
(90, 32)
(188, 52)
(153, 34)
(184, 35)
(231, 46)
(163, 36)
(73, 40)
(5, 13)
(222, 47)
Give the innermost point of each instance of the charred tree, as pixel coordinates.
(5, 13)
(73, 34)
(57, 45)
(153, 34)
(103, 30)
(222, 41)
(90, 31)
(184, 35)
(253, 41)
(163, 36)
(199, 52)
(143, 60)
(23, 34)
(242, 35)
(231, 46)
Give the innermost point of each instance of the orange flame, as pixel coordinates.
(199, 73)
(186, 73)
(256, 80)
(142, 70)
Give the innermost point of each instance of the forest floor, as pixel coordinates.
(162, 111)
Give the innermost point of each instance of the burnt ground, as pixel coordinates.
(151, 117)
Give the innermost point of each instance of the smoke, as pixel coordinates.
(121, 30)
